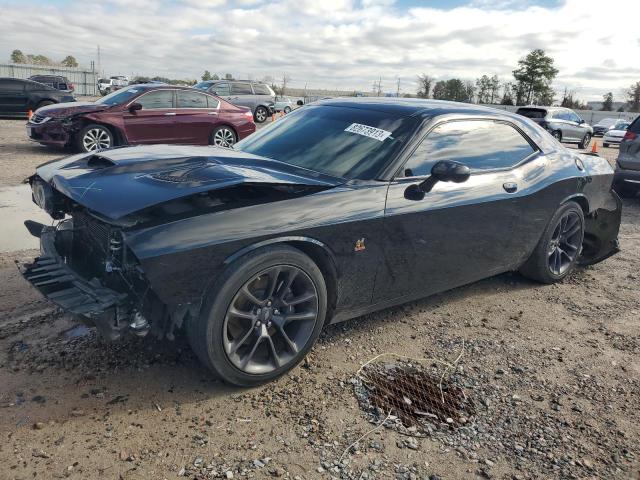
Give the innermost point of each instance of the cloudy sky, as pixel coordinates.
(344, 44)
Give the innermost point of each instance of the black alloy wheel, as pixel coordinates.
(261, 316)
(559, 247)
(585, 141)
(565, 243)
(270, 319)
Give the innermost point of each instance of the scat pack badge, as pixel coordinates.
(360, 246)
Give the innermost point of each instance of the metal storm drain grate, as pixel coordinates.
(417, 398)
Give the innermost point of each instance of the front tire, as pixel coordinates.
(261, 317)
(585, 141)
(287, 110)
(94, 137)
(558, 250)
(261, 114)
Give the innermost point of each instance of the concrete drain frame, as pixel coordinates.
(416, 398)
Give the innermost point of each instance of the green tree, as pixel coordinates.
(533, 77)
(38, 60)
(507, 94)
(453, 89)
(607, 102)
(633, 95)
(18, 57)
(69, 61)
(483, 85)
(494, 88)
(424, 85)
(215, 77)
(206, 75)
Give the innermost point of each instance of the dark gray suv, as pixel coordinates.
(257, 96)
(564, 124)
(627, 177)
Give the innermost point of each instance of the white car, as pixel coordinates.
(615, 134)
(284, 104)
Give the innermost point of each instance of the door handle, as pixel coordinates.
(510, 187)
(212, 113)
(170, 113)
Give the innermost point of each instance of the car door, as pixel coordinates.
(196, 117)
(629, 157)
(578, 124)
(13, 97)
(155, 122)
(571, 129)
(242, 95)
(455, 233)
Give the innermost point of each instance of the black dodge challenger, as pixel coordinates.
(340, 208)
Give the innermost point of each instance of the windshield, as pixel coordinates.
(119, 96)
(203, 85)
(532, 112)
(338, 141)
(607, 122)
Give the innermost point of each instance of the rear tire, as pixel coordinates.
(558, 250)
(239, 335)
(287, 110)
(584, 143)
(223, 136)
(261, 114)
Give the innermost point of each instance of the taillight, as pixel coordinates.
(630, 135)
(249, 115)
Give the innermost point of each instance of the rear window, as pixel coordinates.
(635, 126)
(241, 89)
(260, 89)
(532, 112)
(339, 141)
(203, 85)
(12, 85)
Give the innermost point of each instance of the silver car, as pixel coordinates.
(564, 124)
(256, 95)
(284, 104)
(627, 177)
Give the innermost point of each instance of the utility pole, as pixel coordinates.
(398, 88)
(99, 63)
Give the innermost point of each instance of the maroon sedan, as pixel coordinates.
(142, 114)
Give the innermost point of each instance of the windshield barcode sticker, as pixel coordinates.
(367, 131)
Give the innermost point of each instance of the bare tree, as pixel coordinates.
(424, 85)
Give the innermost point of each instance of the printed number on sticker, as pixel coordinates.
(367, 131)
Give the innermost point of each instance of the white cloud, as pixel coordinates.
(332, 43)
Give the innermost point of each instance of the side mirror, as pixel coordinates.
(442, 171)
(580, 122)
(134, 107)
(300, 103)
(450, 171)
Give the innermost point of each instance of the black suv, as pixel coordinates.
(257, 96)
(55, 81)
(18, 96)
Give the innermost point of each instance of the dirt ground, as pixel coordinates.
(553, 371)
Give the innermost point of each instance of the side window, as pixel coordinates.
(560, 115)
(221, 89)
(12, 86)
(574, 117)
(260, 89)
(239, 88)
(212, 102)
(187, 99)
(156, 100)
(479, 144)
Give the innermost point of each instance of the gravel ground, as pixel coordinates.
(553, 372)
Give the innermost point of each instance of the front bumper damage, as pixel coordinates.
(89, 300)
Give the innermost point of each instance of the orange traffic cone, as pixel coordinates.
(29, 114)
(594, 148)
(273, 117)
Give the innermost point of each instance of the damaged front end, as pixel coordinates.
(85, 269)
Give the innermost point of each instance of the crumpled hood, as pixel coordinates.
(62, 110)
(121, 181)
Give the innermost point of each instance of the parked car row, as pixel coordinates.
(564, 124)
(259, 97)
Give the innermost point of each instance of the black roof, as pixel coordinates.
(412, 106)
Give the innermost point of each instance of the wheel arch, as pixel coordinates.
(118, 135)
(580, 199)
(318, 251)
